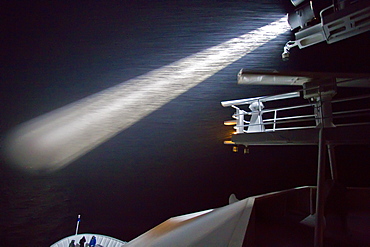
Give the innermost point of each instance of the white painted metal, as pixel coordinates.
(310, 36)
(78, 223)
(224, 226)
(246, 77)
(301, 16)
(239, 121)
(347, 26)
(249, 101)
(296, 2)
(101, 240)
(335, 25)
(256, 122)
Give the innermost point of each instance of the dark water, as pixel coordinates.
(173, 161)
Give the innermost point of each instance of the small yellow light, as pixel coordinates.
(229, 142)
(230, 122)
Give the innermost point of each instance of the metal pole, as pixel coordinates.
(320, 195)
(78, 223)
(333, 164)
(240, 121)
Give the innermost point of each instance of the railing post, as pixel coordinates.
(256, 122)
(321, 92)
(239, 121)
(320, 195)
(324, 111)
(332, 162)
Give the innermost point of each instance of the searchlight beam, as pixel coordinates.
(58, 138)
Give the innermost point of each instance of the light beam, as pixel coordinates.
(56, 139)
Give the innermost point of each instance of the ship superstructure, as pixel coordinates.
(338, 214)
(319, 21)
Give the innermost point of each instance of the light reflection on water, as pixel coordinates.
(128, 181)
(56, 139)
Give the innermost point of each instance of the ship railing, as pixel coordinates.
(301, 116)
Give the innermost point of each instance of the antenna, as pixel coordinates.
(78, 223)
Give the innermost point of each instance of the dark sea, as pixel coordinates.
(173, 161)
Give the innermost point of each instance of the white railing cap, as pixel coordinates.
(261, 99)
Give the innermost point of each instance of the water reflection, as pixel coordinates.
(36, 205)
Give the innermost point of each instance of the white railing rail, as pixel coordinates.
(309, 118)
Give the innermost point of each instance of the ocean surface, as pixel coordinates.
(173, 161)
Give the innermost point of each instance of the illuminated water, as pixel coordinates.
(170, 163)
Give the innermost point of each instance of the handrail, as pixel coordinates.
(101, 240)
(289, 122)
(260, 99)
(287, 108)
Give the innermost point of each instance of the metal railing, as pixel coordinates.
(294, 117)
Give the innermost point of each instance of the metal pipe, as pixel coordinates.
(240, 121)
(288, 108)
(320, 196)
(332, 162)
